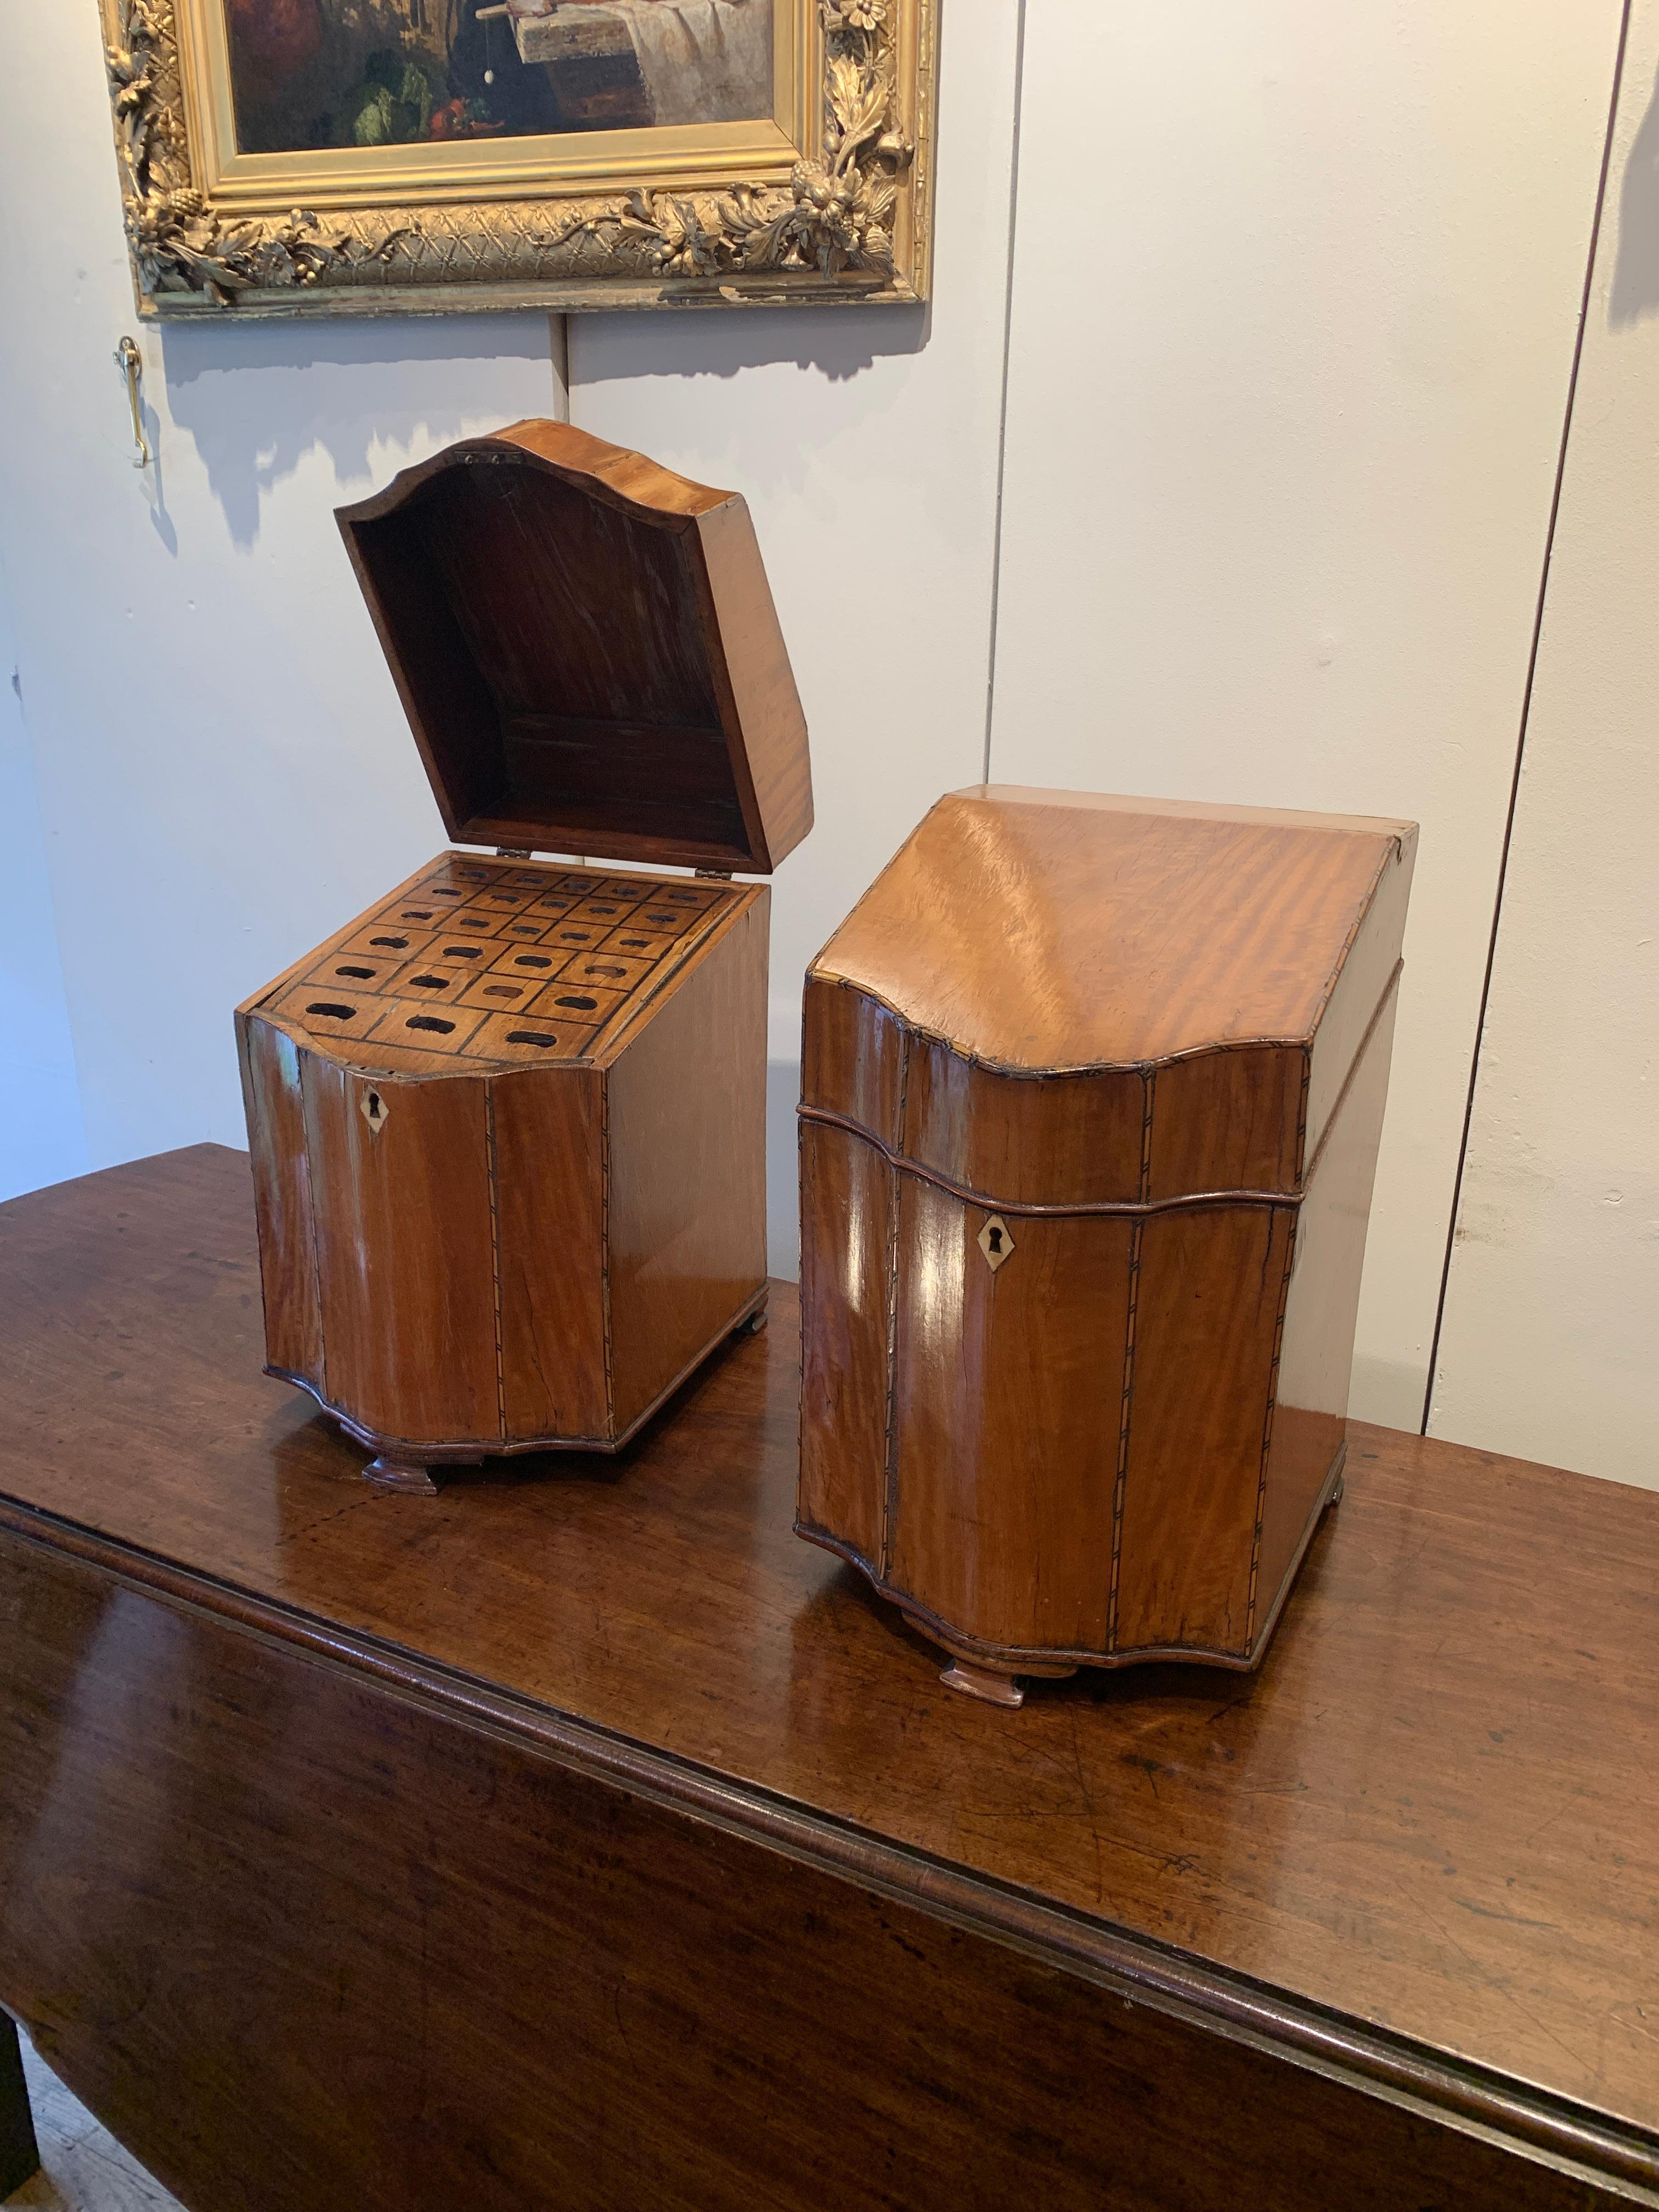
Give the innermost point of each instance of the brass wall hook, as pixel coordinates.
(130, 361)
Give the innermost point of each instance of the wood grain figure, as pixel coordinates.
(587, 651)
(1091, 1094)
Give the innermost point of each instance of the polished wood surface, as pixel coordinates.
(1049, 930)
(1091, 1096)
(465, 1967)
(580, 1831)
(686, 1230)
(526, 1240)
(587, 648)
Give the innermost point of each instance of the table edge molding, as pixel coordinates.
(1518, 2117)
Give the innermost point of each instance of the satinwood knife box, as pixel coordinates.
(509, 1125)
(1092, 1092)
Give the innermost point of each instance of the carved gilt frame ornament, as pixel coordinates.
(828, 199)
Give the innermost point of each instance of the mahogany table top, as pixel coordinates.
(1434, 1812)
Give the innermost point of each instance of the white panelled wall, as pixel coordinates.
(1261, 515)
(1278, 476)
(1550, 1344)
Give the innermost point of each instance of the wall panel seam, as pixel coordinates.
(1526, 710)
(1002, 401)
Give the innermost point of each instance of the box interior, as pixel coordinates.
(560, 665)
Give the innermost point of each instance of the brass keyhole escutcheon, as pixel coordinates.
(373, 1109)
(995, 1242)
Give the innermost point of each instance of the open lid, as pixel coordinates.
(588, 652)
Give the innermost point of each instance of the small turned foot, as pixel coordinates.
(753, 1326)
(983, 1682)
(400, 1475)
(1335, 1498)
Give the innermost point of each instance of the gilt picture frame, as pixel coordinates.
(283, 157)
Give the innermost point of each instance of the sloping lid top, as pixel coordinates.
(1049, 929)
(588, 653)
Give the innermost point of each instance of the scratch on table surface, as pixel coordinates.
(367, 1497)
(1496, 1982)
(1087, 1795)
(1231, 1706)
(615, 2007)
(1147, 1766)
(1548, 1821)
(1515, 1920)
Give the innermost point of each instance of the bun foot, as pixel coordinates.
(400, 1475)
(753, 1326)
(983, 1682)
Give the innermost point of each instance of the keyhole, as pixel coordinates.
(372, 1107)
(995, 1242)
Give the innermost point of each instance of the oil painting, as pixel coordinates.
(308, 73)
(372, 156)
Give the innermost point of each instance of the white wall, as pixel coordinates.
(1278, 471)
(865, 441)
(222, 767)
(1293, 308)
(41, 1137)
(1550, 1346)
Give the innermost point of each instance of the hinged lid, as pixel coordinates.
(588, 652)
(1043, 930)
(1054, 998)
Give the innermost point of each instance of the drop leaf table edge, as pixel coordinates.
(581, 1838)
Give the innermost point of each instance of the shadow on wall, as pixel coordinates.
(783, 1170)
(256, 398)
(838, 343)
(1636, 272)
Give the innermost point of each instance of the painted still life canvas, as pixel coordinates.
(372, 156)
(313, 73)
